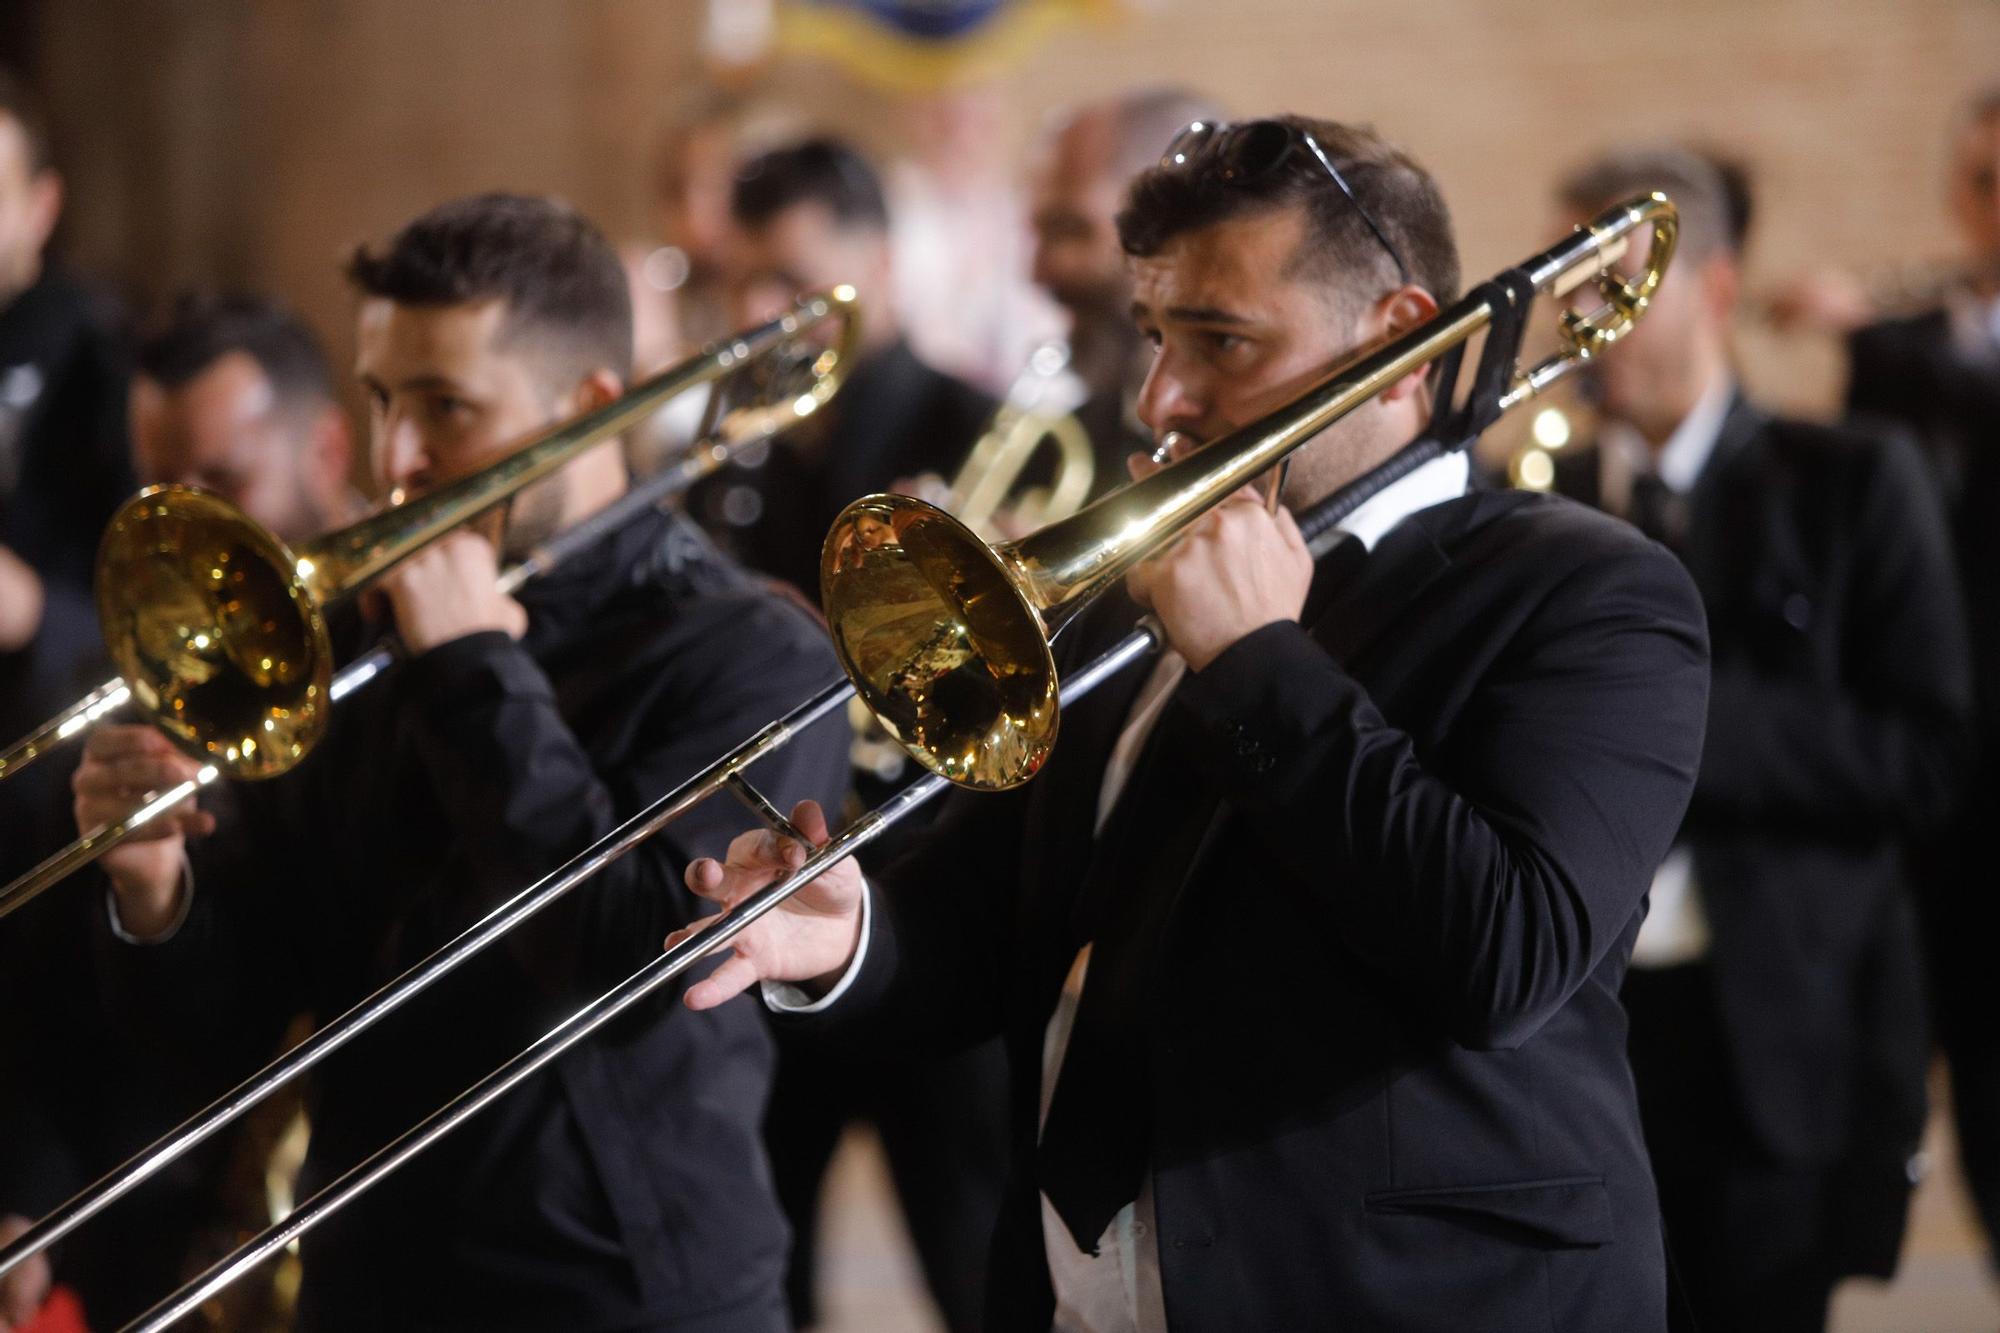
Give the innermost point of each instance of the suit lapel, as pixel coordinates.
(1712, 528)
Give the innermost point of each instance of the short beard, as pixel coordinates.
(533, 517)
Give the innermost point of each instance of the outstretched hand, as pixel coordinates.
(808, 939)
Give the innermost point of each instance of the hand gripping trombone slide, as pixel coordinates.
(219, 630)
(1217, 470)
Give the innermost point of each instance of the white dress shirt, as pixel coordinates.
(1118, 1289)
(1676, 926)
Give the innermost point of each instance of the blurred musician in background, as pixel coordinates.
(64, 463)
(809, 216)
(1937, 373)
(1777, 1021)
(1078, 185)
(233, 395)
(624, 1187)
(1306, 948)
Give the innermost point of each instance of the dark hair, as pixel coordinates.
(1698, 188)
(561, 282)
(823, 171)
(1339, 250)
(205, 328)
(18, 101)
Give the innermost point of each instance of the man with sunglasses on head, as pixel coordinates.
(1306, 945)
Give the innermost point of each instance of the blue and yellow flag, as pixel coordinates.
(918, 45)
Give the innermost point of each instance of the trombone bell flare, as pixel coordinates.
(217, 627)
(949, 653)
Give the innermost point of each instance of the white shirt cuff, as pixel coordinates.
(782, 997)
(166, 932)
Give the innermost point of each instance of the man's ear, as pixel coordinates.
(1393, 316)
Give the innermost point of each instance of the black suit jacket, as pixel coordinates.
(625, 1186)
(1387, 1081)
(1836, 732)
(1912, 373)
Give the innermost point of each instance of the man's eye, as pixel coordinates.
(1224, 343)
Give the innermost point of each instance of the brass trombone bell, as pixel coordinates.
(948, 640)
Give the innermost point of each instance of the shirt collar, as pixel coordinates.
(1435, 482)
(1687, 450)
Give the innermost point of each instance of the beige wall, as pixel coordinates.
(252, 141)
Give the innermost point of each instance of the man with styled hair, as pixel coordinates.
(622, 1188)
(1777, 1018)
(1306, 946)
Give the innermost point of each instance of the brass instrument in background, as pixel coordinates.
(995, 464)
(948, 639)
(218, 629)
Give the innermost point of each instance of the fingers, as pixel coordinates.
(736, 975)
(131, 776)
(125, 742)
(810, 820)
(754, 859)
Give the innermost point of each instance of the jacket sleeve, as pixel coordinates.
(525, 794)
(1489, 876)
(1878, 744)
(208, 1003)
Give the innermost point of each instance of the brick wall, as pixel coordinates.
(249, 143)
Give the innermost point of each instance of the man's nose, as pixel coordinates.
(406, 464)
(1167, 400)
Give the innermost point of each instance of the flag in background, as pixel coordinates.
(926, 44)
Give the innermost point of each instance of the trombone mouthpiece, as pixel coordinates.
(1165, 453)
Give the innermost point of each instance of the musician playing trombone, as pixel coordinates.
(624, 1187)
(1307, 948)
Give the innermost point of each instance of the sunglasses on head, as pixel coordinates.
(1253, 148)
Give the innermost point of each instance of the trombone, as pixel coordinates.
(984, 604)
(219, 631)
(1012, 440)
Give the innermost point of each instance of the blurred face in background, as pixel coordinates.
(1074, 211)
(804, 249)
(1661, 369)
(1975, 187)
(29, 204)
(227, 430)
(697, 174)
